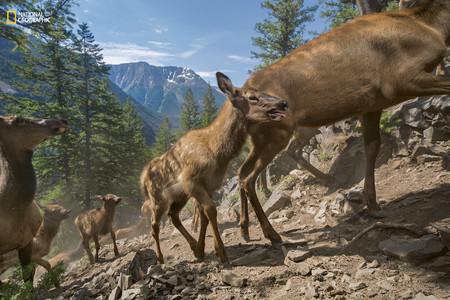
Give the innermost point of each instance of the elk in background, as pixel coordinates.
(96, 222)
(54, 214)
(19, 215)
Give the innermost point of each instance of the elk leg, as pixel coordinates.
(244, 170)
(113, 237)
(195, 218)
(97, 246)
(201, 237)
(372, 139)
(258, 159)
(426, 84)
(179, 225)
(42, 262)
(325, 179)
(157, 213)
(25, 262)
(263, 184)
(88, 250)
(209, 209)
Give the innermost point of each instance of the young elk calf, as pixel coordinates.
(54, 214)
(97, 222)
(196, 164)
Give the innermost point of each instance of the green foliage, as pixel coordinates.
(338, 12)
(16, 289)
(392, 5)
(164, 138)
(386, 125)
(283, 31)
(209, 107)
(190, 117)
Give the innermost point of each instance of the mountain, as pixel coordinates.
(151, 120)
(160, 89)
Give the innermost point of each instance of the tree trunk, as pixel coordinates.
(371, 6)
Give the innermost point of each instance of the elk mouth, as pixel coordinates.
(59, 130)
(276, 114)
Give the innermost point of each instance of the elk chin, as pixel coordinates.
(276, 115)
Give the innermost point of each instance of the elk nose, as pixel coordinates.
(284, 105)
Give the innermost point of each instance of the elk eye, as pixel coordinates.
(253, 98)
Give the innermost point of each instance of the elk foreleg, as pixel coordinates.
(25, 262)
(372, 139)
(262, 154)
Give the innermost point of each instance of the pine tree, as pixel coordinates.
(190, 117)
(283, 31)
(134, 153)
(46, 90)
(90, 72)
(339, 12)
(209, 107)
(164, 138)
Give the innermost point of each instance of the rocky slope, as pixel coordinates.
(160, 89)
(332, 249)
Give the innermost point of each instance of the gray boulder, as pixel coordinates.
(413, 250)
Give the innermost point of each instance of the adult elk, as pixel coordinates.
(357, 69)
(19, 215)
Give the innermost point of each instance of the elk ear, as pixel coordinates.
(99, 197)
(225, 84)
(118, 199)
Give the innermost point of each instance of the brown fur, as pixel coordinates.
(358, 69)
(196, 164)
(19, 215)
(54, 214)
(96, 222)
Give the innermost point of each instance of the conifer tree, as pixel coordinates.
(283, 31)
(164, 138)
(190, 117)
(209, 109)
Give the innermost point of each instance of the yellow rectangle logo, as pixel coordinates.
(11, 17)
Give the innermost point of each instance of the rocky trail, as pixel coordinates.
(332, 249)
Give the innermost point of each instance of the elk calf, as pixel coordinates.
(97, 222)
(196, 164)
(53, 216)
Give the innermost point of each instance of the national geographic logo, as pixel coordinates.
(14, 17)
(11, 17)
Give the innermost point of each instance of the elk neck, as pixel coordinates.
(227, 133)
(17, 179)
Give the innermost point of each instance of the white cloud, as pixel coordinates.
(158, 53)
(207, 74)
(116, 53)
(158, 44)
(241, 59)
(159, 29)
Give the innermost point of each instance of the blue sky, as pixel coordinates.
(205, 35)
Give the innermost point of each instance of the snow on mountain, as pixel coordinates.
(160, 89)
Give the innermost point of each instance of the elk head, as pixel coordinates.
(25, 134)
(56, 212)
(257, 106)
(109, 201)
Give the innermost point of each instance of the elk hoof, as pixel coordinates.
(376, 214)
(245, 235)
